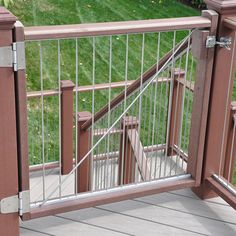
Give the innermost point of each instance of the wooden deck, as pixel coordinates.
(172, 213)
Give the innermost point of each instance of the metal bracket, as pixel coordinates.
(224, 42)
(16, 203)
(18, 56)
(6, 56)
(13, 56)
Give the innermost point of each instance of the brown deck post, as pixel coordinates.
(176, 109)
(126, 160)
(9, 223)
(66, 126)
(222, 83)
(204, 57)
(84, 145)
(231, 145)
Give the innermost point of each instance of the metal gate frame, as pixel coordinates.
(204, 57)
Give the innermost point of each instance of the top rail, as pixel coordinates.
(113, 28)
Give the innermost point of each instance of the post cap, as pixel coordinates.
(222, 6)
(7, 19)
(84, 116)
(67, 85)
(129, 122)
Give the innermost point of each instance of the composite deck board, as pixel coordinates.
(29, 232)
(159, 215)
(175, 213)
(191, 206)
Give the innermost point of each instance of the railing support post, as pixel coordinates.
(204, 57)
(66, 126)
(126, 160)
(84, 145)
(9, 223)
(220, 99)
(176, 110)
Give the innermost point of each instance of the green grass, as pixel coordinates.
(52, 12)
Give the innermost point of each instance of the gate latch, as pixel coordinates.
(17, 203)
(224, 42)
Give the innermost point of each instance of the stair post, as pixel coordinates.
(84, 144)
(67, 114)
(176, 110)
(126, 159)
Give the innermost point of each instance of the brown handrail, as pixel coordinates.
(89, 88)
(114, 28)
(135, 85)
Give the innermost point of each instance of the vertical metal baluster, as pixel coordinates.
(109, 110)
(97, 163)
(42, 117)
(76, 111)
(170, 105)
(126, 78)
(161, 121)
(141, 97)
(155, 106)
(93, 93)
(59, 109)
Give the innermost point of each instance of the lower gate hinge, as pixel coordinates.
(17, 203)
(224, 42)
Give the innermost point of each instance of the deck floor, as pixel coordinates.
(172, 213)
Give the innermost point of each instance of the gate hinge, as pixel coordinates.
(224, 42)
(13, 56)
(18, 49)
(17, 203)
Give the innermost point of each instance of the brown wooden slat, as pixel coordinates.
(113, 28)
(135, 85)
(139, 154)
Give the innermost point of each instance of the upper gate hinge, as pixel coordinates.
(13, 56)
(224, 42)
(17, 203)
(18, 49)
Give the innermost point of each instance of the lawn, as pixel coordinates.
(53, 12)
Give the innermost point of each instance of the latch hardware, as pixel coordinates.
(224, 42)
(17, 203)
